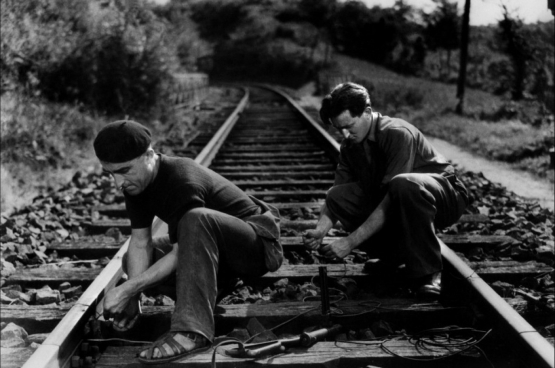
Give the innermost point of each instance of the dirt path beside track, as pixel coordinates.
(519, 182)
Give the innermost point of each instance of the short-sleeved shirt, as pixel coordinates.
(181, 185)
(392, 147)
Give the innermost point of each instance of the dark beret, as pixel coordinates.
(121, 141)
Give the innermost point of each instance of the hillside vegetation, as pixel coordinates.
(492, 127)
(70, 67)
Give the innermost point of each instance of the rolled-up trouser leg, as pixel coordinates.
(208, 240)
(418, 202)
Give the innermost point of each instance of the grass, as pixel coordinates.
(430, 106)
(42, 144)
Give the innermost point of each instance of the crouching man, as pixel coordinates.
(216, 231)
(392, 190)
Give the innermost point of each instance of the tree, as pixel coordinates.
(442, 29)
(370, 34)
(464, 57)
(519, 48)
(315, 12)
(218, 19)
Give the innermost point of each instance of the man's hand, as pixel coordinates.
(339, 248)
(123, 306)
(313, 238)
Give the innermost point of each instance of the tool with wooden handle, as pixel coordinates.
(305, 339)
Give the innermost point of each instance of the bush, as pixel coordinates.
(391, 96)
(111, 59)
(245, 45)
(41, 134)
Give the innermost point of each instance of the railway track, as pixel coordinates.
(275, 151)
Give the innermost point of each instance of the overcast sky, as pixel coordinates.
(482, 12)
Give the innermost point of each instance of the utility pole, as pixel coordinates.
(464, 57)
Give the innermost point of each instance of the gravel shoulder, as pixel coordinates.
(521, 183)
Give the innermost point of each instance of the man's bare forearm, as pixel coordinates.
(139, 259)
(326, 220)
(372, 225)
(142, 273)
(153, 275)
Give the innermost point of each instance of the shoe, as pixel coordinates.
(427, 287)
(381, 268)
(200, 344)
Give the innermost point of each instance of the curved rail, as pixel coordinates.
(57, 349)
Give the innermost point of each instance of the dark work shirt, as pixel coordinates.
(181, 185)
(392, 147)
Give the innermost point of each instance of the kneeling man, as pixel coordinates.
(390, 184)
(216, 231)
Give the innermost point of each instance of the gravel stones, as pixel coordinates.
(47, 296)
(13, 336)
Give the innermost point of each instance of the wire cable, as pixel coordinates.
(429, 340)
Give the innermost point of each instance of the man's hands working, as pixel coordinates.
(123, 305)
(342, 247)
(337, 249)
(313, 238)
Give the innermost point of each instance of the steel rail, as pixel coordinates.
(329, 140)
(541, 351)
(58, 348)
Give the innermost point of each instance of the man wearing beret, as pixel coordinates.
(215, 231)
(392, 190)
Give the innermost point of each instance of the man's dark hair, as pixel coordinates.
(345, 96)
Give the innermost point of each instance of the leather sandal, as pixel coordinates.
(201, 345)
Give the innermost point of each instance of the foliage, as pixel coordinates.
(519, 50)
(392, 95)
(111, 59)
(218, 19)
(248, 48)
(442, 30)
(527, 50)
(366, 33)
(183, 36)
(442, 26)
(517, 132)
(44, 135)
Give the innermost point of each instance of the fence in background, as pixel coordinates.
(189, 89)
